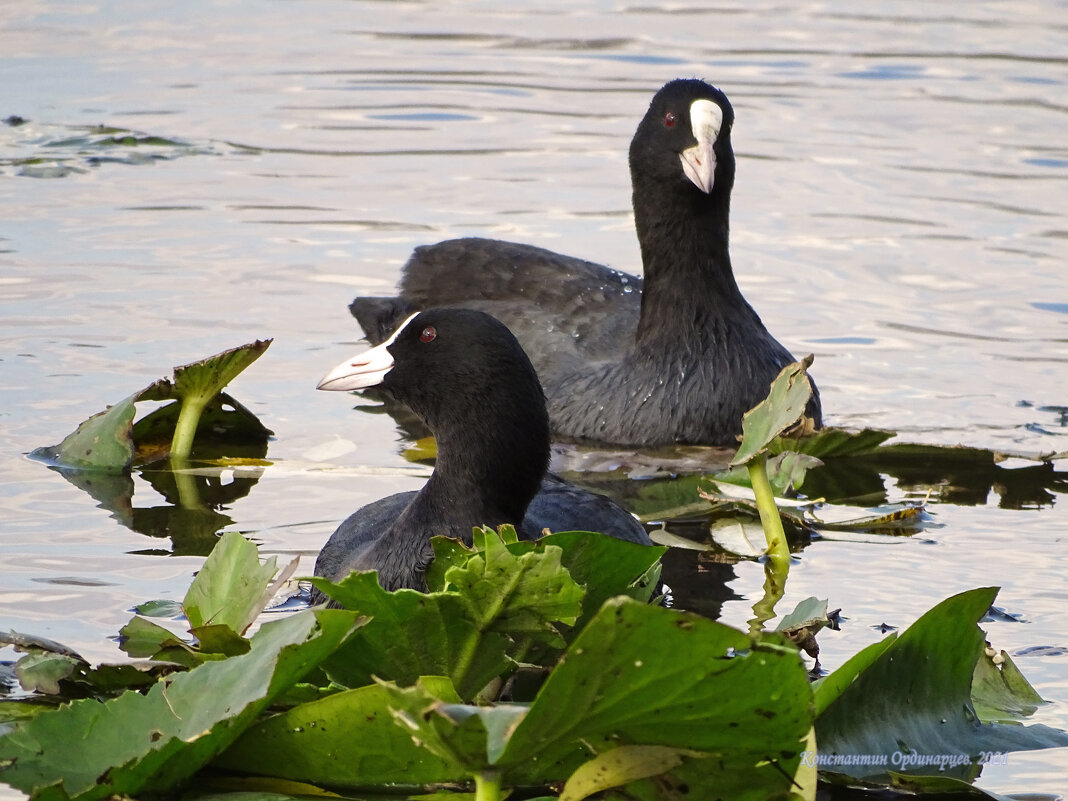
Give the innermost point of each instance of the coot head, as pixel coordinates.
(467, 377)
(684, 141)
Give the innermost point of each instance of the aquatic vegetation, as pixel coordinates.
(544, 666)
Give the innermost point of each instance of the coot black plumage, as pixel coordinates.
(467, 377)
(678, 357)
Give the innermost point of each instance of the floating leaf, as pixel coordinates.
(103, 442)
(905, 517)
(148, 743)
(833, 442)
(159, 608)
(914, 698)
(26, 642)
(665, 537)
(738, 535)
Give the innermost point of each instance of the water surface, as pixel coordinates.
(177, 180)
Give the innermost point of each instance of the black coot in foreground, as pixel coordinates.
(678, 357)
(467, 377)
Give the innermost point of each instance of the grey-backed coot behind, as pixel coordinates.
(676, 357)
(468, 379)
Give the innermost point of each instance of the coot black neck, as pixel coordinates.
(688, 281)
(488, 469)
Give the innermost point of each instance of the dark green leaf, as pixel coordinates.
(525, 594)
(412, 634)
(348, 739)
(644, 675)
(915, 698)
(828, 688)
(148, 743)
(605, 567)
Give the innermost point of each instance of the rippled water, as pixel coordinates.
(179, 179)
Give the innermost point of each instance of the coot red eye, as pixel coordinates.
(428, 334)
(669, 119)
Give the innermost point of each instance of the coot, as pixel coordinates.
(467, 377)
(678, 357)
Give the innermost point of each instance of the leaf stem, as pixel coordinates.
(778, 549)
(488, 786)
(185, 430)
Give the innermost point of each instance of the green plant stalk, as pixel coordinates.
(488, 786)
(775, 573)
(185, 430)
(778, 549)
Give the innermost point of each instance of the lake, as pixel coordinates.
(178, 179)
